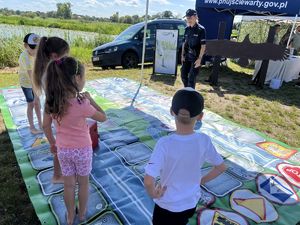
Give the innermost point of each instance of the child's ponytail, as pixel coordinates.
(41, 61)
(60, 85)
(47, 47)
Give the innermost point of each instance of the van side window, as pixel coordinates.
(166, 26)
(151, 29)
(181, 29)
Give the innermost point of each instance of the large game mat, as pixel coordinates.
(261, 184)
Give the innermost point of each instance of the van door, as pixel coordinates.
(150, 42)
(181, 29)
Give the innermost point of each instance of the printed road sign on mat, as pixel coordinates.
(253, 206)
(119, 162)
(221, 185)
(290, 172)
(96, 205)
(276, 189)
(277, 150)
(220, 217)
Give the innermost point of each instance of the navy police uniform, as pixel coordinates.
(194, 37)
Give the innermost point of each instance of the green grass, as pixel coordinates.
(273, 112)
(98, 27)
(82, 54)
(10, 49)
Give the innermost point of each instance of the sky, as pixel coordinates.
(103, 8)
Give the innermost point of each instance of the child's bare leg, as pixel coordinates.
(57, 177)
(83, 195)
(30, 106)
(69, 197)
(37, 108)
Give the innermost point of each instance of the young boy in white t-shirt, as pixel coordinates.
(177, 159)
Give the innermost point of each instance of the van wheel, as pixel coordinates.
(104, 67)
(129, 60)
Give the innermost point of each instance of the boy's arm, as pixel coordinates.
(214, 158)
(216, 171)
(152, 170)
(30, 77)
(153, 191)
(47, 121)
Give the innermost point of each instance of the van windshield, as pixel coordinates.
(129, 32)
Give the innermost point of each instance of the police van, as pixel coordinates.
(126, 49)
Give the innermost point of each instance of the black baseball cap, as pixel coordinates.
(188, 99)
(190, 12)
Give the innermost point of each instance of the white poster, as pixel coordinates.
(165, 60)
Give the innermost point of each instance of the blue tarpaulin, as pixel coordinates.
(290, 7)
(212, 12)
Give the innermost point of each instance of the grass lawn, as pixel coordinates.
(274, 112)
(68, 24)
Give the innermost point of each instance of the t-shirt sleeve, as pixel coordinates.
(88, 110)
(203, 36)
(156, 161)
(212, 156)
(24, 62)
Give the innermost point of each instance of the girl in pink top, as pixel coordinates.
(69, 108)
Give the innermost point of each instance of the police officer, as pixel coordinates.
(193, 49)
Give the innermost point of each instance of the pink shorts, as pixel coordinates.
(75, 161)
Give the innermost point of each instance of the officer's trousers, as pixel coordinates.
(189, 74)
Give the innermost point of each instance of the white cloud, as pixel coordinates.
(131, 3)
(163, 2)
(93, 3)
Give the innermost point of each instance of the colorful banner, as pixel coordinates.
(290, 7)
